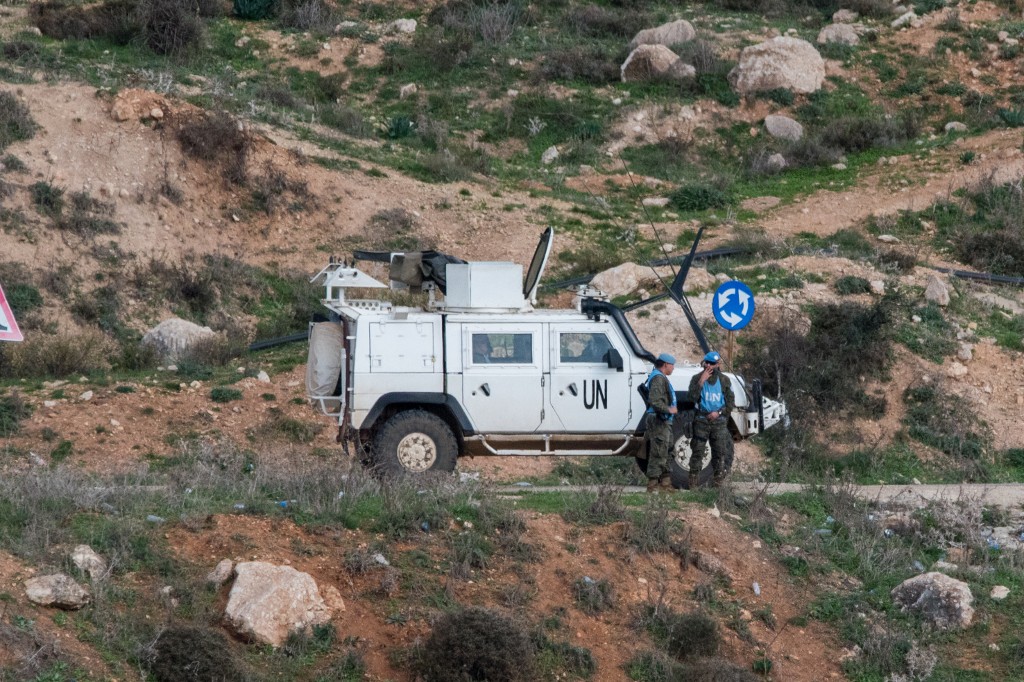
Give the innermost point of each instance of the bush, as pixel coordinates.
(586, 64)
(601, 508)
(596, 21)
(476, 644)
(855, 134)
(12, 411)
(171, 27)
(345, 118)
(117, 21)
(393, 229)
(253, 9)
(945, 421)
(58, 356)
(851, 284)
(88, 217)
(48, 199)
(307, 15)
(217, 137)
(16, 121)
(651, 529)
(685, 636)
(699, 197)
(194, 654)
(593, 596)
(222, 394)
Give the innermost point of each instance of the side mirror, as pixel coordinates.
(614, 359)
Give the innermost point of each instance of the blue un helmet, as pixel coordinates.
(712, 358)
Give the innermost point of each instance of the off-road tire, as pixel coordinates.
(414, 442)
(679, 464)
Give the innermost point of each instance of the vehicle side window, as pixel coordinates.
(502, 349)
(583, 347)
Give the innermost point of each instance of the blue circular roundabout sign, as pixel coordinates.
(733, 305)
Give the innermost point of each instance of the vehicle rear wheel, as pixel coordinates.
(680, 462)
(414, 442)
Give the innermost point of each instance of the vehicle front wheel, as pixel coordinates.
(414, 442)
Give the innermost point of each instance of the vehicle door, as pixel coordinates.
(588, 392)
(502, 382)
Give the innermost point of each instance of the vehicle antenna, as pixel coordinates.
(657, 235)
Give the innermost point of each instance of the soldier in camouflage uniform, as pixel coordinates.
(660, 413)
(711, 393)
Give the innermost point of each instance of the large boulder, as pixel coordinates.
(672, 33)
(626, 278)
(781, 62)
(267, 602)
(845, 34)
(943, 601)
(57, 590)
(89, 562)
(654, 63)
(783, 127)
(936, 291)
(174, 338)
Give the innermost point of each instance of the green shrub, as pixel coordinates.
(685, 636)
(580, 63)
(16, 122)
(946, 422)
(345, 118)
(651, 530)
(476, 644)
(47, 198)
(595, 21)
(222, 394)
(13, 409)
(195, 654)
(851, 284)
(58, 356)
(62, 451)
(217, 137)
(1012, 117)
(855, 134)
(593, 596)
(600, 508)
(88, 217)
(253, 10)
(117, 21)
(23, 298)
(564, 657)
(171, 27)
(699, 197)
(307, 15)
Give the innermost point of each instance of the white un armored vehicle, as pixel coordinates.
(480, 371)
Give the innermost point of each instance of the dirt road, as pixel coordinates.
(1005, 495)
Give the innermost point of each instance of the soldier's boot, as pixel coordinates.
(652, 485)
(665, 484)
(694, 479)
(720, 478)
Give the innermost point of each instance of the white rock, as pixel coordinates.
(623, 279)
(549, 156)
(956, 370)
(49, 403)
(656, 202)
(781, 62)
(947, 603)
(965, 352)
(57, 590)
(1002, 36)
(89, 562)
(844, 16)
(221, 573)
(654, 63)
(407, 90)
(955, 127)
(776, 162)
(877, 287)
(85, 396)
(783, 127)
(263, 377)
(999, 592)
(888, 239)
(401, 26)
(156, 113)
(173, 338)
(268, 602)
(904, 19)
(669, 34)
(843, 34)
(936, 291)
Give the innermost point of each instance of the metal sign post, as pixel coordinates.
(733, 308)
(8, 326)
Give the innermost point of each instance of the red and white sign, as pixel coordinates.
(8, 327)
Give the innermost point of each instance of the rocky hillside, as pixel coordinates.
(197, 160)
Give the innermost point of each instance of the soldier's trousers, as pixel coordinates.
(716, 433)
(659, 446)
